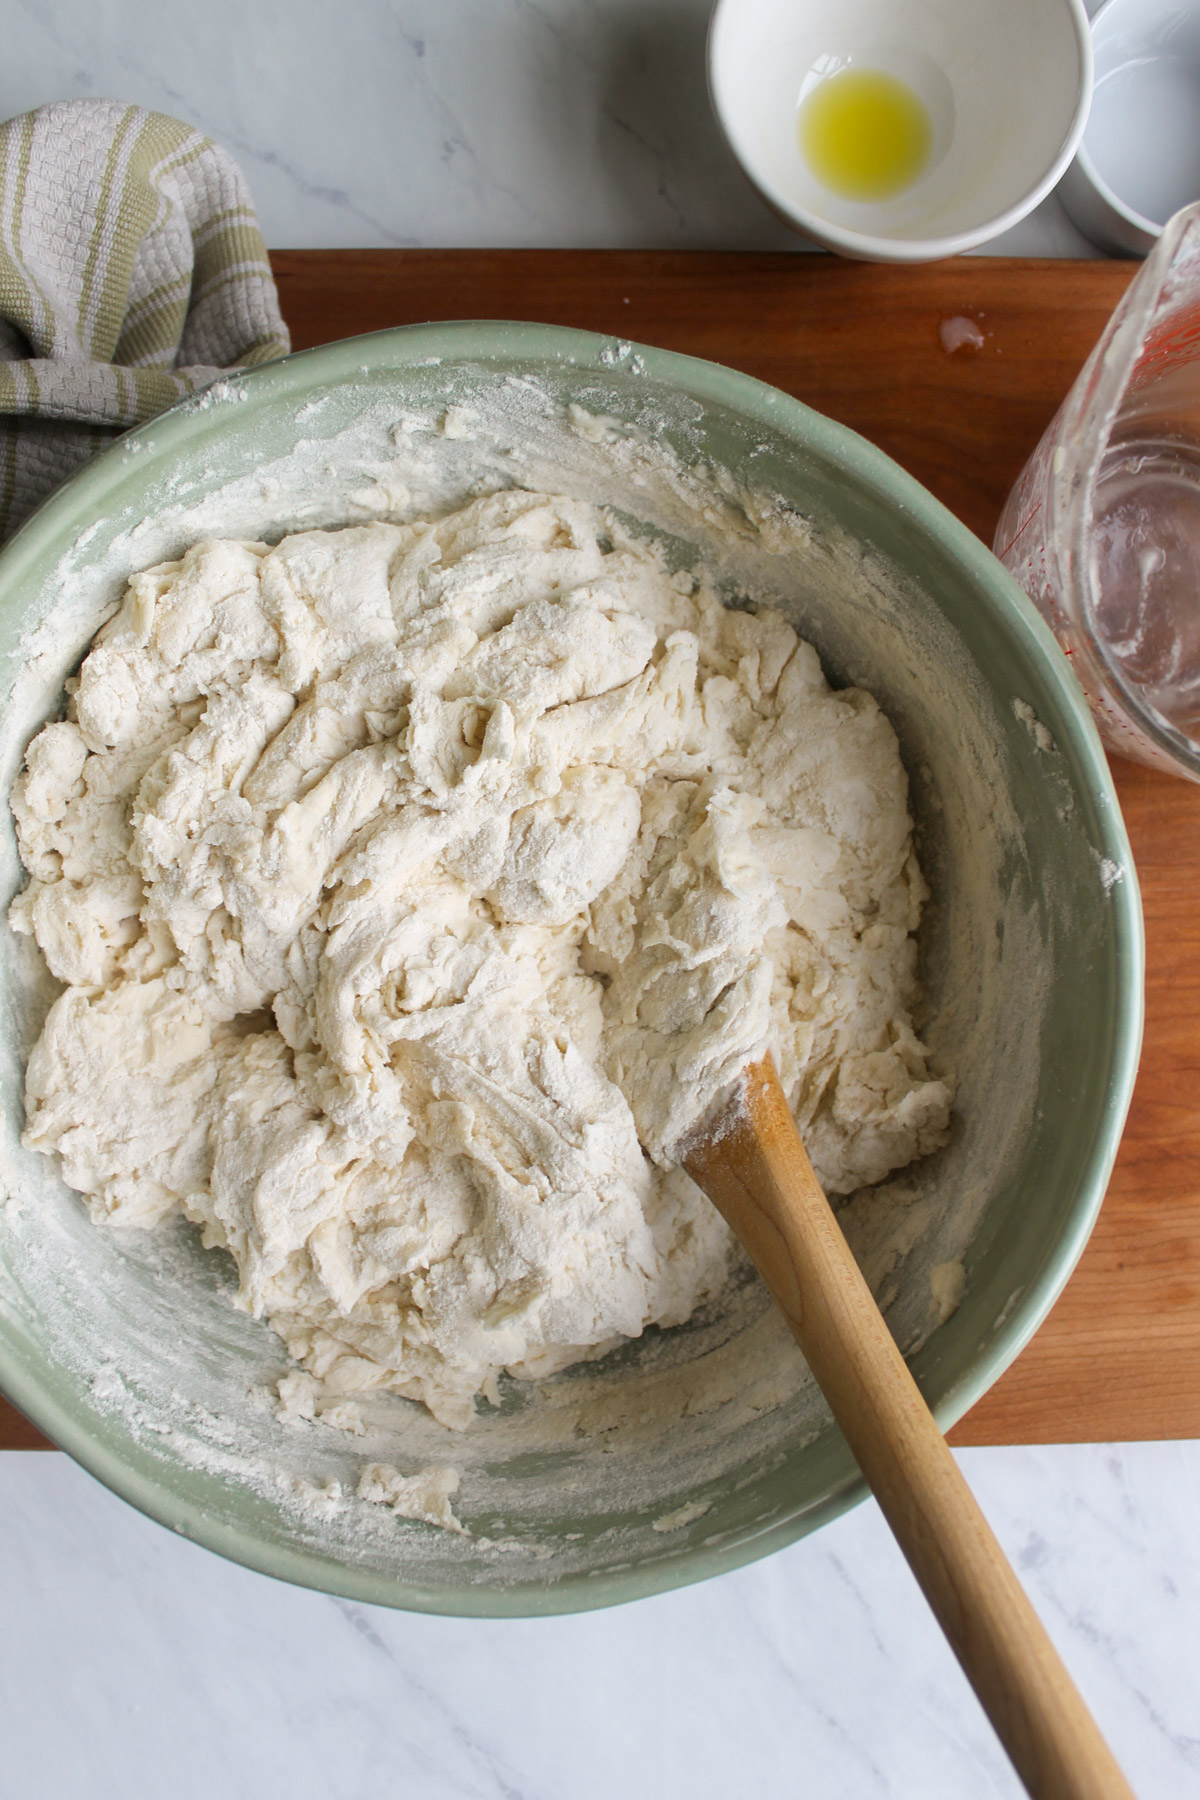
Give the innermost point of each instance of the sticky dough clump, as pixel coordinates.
(407, 880)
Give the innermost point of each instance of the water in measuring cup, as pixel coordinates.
(1146, 574)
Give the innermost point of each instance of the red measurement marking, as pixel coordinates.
(1022, 528)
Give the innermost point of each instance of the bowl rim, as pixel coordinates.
(871, 246)
(353, 361)
(1108, 197)
(1084, 162)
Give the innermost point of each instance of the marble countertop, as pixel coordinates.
(133, 1662)
(561, 123)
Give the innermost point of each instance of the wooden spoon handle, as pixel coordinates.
(752, 1165)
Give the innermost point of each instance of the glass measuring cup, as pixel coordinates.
(1102, 529)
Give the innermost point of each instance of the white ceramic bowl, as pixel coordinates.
(1139, 160)
(1006, 89)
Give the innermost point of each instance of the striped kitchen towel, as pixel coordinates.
(132, 272)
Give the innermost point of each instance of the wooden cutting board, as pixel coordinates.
(1119, 1356)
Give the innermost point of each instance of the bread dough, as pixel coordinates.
(406, 879)
(425, 1495)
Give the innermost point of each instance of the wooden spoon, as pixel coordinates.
(748, 1158)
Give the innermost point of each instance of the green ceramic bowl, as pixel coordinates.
(698, 1449)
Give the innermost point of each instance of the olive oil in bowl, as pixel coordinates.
(865, 135)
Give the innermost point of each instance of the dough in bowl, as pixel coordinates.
(415, 886)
